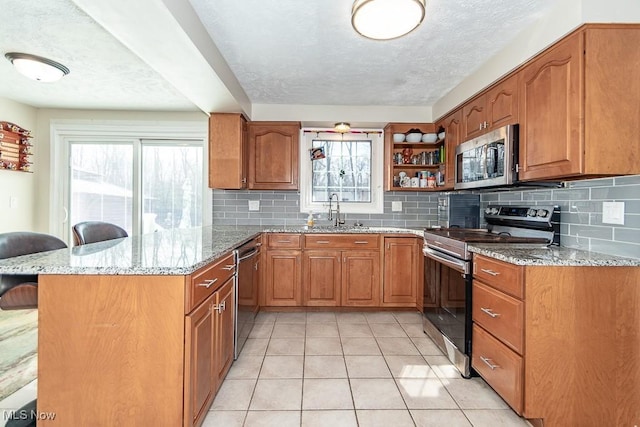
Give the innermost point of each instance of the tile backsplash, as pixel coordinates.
(581, 207)
(231, 207)
(580, 203)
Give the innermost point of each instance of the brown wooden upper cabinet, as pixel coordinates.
(494, 108)
(228, 154)
(273, 155)
(579, 106)
(452, 125)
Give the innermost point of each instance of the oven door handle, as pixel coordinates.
(455, 263)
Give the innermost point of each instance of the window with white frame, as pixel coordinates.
(144, 177)
(349, 165)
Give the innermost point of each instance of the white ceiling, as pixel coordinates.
(154, 54)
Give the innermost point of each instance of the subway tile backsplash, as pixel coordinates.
(581, 207)
(231, 207)
(580, 203)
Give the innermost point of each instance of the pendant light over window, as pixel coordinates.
(342, 127)
(37, 67)
(386, 19)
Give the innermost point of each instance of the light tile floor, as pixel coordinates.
(350, 369)
(343, 369)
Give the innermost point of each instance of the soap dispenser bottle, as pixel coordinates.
(310, 219)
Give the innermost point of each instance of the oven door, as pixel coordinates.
(447, 306)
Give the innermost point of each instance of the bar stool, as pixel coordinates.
(96, 231)
(19, 291)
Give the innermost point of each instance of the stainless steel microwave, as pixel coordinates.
(489, 160)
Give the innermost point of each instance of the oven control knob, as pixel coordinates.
(494, 211)
(487, 211)
(542, 213)
(532, 212)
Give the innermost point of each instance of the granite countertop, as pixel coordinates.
(528, 254)
(167, 252)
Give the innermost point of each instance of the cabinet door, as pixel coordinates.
(401, 270)
(361, 278)
(551, 112)
(273, 155)
(474, 118)
(453, 129)
(283, 278)
(202, 380)
(224, 330)
(322, 277)
(502, 103)
(228, 151)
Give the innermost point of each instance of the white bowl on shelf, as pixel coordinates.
(441, 136)
(398, 137)
(429, 137)
(414, 137)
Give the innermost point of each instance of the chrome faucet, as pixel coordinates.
(337, 220)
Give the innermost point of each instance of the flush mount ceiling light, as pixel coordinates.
(37, 67)
(386, 19)
(342, 127)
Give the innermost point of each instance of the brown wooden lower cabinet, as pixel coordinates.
(283, 278)
(133, 350)
(403, 265)
(566, 351)
(361, 279)
(322, 278)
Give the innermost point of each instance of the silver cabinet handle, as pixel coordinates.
(207, 283)
(322, 242)
(228, 267)
(489, 312)
(220, 307)
(283, 241)
(488, 362)
(361, 242)
(491, 272)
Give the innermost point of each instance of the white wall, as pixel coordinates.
(43, 193)
(20, 185)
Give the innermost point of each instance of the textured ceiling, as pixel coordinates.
(281, 51)
(305, 52)
(104, 74)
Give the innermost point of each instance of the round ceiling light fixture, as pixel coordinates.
(342, 127)
(386, 19)
(36, 67)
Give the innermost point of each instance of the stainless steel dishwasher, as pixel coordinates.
(248, 256)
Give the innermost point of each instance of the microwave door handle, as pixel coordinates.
(456, 264)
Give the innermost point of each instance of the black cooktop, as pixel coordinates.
(474, 235)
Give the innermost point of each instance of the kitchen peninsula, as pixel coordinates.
(130, 333)
(139, 331)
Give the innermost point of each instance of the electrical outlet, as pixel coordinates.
(613, 212)
(254, 205)
(396, 206)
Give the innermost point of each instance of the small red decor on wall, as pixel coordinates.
(15, 147)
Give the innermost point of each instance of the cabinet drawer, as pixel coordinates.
(349, 241)
(283, 240)
(500, 367)
(206, 280)
(506, 277)
(499, 314)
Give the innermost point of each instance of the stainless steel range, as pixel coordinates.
(448, 275)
